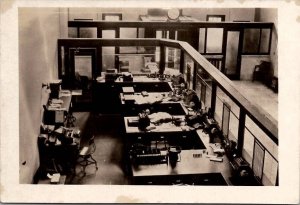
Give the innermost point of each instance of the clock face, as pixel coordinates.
(173, 14)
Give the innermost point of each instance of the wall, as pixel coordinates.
(248, 63)
(231, 14)
(38, 33)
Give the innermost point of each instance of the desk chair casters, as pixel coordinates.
(85, 155)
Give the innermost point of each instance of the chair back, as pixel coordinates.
(92, 145)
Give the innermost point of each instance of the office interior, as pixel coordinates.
(228, 56)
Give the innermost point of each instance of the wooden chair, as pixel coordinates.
(85, 155)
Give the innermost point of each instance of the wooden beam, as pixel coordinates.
(168, 25)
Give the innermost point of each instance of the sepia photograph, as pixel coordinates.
(138, 102)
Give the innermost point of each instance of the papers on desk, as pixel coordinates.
(128, 90)
(54, 179)
(55, 104)
(216, 147)
(64, 93)
(76, 92)
(214, 158)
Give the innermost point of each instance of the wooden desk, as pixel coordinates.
(55, 115)
(164, 127)
(106, 95)
(187, 164)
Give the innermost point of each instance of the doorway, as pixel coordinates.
(83, 67)
(232, 50)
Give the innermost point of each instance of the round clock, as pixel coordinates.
(173, 14)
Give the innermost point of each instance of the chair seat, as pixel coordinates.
(85, 157)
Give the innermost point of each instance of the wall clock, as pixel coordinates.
(173, 14)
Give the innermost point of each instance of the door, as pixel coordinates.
(232, 50)
(83, 72)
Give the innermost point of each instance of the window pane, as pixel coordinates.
(258, 160)
(270, 170)
(108, 58)
(251, 40)
(262, 137)
(188, 71)
(88, 32)
(214, 40)
(128, 32)
(83, 66)
(219, 110)
(72, 32)
(201, 40)
(233, 127)
(198, 87)
(172, 59)
(265, 39)
(208, 97)
(248, 146)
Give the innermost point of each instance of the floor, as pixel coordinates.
(108, 154)
(261, 95)
(108, 137)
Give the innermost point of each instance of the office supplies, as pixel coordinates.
(216, 159)
(128, 90)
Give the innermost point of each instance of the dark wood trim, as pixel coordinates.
(169, 25)
(270, 41)
(241, 132)
(92, 42)
(99, 32)
(194, 75)
(239, 54)
(59, 60)
(181, 68)
(162, 62)
(224, 47)
(213, 96)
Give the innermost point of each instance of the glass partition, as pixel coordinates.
(188, 71)
(214, 40)
(251, 40)
(204, 84)
(265, 40)
(261, 153)
(261, 136)
(172, 58)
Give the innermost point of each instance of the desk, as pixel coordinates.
(55, 114)
(106, 95)
(58, 151)
(188, 164)
(163, 127)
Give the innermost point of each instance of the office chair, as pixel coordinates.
(85, 155)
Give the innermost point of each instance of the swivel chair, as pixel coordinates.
(85, 155)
